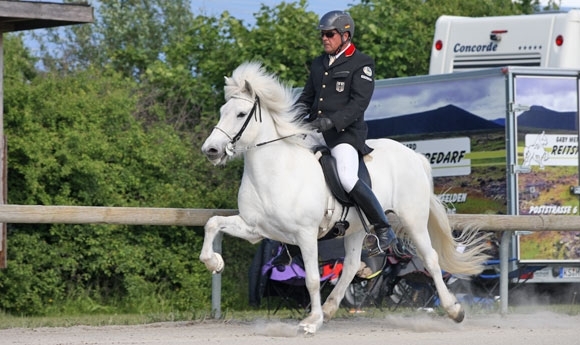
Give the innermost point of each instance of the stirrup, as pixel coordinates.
(371, 240)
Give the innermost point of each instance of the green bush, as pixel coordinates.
(73, 140)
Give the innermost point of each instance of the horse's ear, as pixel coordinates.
(249, 88)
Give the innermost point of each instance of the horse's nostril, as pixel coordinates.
(212, 151)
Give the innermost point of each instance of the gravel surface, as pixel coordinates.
(521, 329)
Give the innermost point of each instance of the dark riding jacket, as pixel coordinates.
(341, 92)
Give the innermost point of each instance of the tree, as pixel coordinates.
(128, 35)
(74, 141)
(285, 39)
(399, 34)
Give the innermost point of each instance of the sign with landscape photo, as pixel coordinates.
(547, 134)
(459, 124)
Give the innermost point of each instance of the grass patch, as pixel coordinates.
(10, 321)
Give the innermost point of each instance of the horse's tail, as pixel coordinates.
(462, 255)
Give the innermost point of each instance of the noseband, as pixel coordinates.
(231, 146)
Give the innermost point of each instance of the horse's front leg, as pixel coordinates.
(310, 256)
(232, 225)
(351, 264)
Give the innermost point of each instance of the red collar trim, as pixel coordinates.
(350, 50)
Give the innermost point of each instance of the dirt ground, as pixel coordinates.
(513, 329)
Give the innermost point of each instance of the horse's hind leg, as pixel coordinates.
(233, 225)
(431, 261)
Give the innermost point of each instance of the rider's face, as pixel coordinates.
(331, 44)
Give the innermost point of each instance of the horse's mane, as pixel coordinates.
(278, 98)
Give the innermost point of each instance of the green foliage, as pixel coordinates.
(212, 48)
(286, 40)
(74, 140)
(399, 34)
(31, 282)
(126, 35)
(18, 62)
(100, 269)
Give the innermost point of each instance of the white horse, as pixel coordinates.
(283, 195)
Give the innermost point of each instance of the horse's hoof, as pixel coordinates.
(328, 310)
(308, 329)
(460, 315)
(311, 324)
(220, 264)
(215, 264)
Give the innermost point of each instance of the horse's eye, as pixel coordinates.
(242, 114)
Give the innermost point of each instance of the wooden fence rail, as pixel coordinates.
(198, 217)
(107, 215)
(513, 223)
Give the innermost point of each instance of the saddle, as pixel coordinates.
(328, 164)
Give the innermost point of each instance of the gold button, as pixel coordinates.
(323, 86)
(321, 99)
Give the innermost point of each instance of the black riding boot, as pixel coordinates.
(364, 197)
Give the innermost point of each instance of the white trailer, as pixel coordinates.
(550, 40)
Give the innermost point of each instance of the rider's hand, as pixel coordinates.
(322, 124)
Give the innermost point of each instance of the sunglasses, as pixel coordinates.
(328, 34)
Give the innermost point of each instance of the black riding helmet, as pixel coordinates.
(337, 20)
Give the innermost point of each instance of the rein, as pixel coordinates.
(231, 146)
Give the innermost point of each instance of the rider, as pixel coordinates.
(337, 93)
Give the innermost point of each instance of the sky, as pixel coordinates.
(245, 9)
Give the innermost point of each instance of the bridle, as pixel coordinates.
(256, 111)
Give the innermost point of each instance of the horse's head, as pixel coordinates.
(235, 116)
(258, 107)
